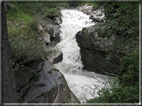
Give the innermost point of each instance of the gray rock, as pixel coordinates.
(58, 59)
(50, 29)
(98, 54)
(58, 20)
(46, 38)
(97, 16)
(85, 9)
(53, 31)
(22, 77)
(50, 88)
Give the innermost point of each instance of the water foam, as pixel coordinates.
(83, 84)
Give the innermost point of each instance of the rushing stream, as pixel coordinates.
(84, 84)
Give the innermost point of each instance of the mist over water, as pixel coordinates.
(83, 84)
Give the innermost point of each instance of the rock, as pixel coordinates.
(56, 34)
(98, 15)
(85, 9)
(58, 20)
(53, 31)
(46, 38)
(50, 30)
(50, 88)
(58, 59)
(22, 77)
(98, 53)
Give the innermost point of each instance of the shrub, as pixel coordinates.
(128, 88)
(122, 19)
(25, 46)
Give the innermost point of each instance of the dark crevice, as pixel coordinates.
(24, 84)
(88, 49)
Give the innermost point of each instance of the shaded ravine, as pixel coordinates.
(83, 84)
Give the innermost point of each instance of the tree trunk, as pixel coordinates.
(8, 92)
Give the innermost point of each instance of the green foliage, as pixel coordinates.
(25, 47)
(128, 88)
(121, 19)
(127, 94)
(23, 34)
(129, 69)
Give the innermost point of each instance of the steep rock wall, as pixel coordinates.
(98, 53)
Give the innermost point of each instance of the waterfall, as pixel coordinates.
(84, 84)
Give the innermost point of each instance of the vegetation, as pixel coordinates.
(128, 88)
(122, 20)
(22, 20)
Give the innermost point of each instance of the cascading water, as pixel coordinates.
(83, 84)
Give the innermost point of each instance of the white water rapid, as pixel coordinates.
(83, 84)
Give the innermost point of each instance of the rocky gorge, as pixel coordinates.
(44, 83)
(80, 58)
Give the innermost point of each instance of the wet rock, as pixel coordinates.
(50, 88)
(58, 59)
(98, 53)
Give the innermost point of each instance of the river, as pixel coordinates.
(84, 84)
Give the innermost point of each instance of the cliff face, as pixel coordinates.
(99, 53)
(8, 92)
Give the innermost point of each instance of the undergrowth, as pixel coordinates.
(128, 87)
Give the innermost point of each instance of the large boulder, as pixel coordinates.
(98, 53)
(51, 87)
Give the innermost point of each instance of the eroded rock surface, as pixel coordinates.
(50, 31)
(98, 15)
(50, 85)
(99, 54)
(50, 88)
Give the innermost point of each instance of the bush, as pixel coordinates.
(22, 29)
(129, 69)
(25, 46)
(128, 88)
(23, 35)
(121, 19)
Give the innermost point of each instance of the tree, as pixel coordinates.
(8, 93)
